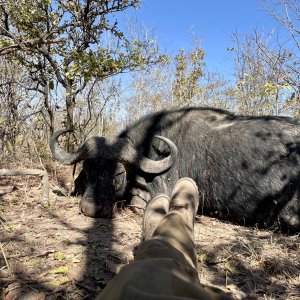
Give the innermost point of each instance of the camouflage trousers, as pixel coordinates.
(164, 268)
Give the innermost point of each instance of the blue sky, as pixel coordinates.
(214, 22)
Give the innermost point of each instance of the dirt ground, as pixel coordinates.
(55, 252)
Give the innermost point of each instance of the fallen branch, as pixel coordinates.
(36, 172)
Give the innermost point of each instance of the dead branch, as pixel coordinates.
(36, 172)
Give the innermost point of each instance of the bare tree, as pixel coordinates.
(287, 14)
(214, 91)
(261, 86)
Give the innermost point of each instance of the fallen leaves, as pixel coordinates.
(60, 270)
(59, 255)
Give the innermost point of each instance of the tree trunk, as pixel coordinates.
(70, 104)
(48, 108)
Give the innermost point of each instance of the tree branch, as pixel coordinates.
(29, 43)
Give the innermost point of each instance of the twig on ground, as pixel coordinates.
(25, 193)
(3, 253)
(2, 222)
(29, 286)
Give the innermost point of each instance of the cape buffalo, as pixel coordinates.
(247, 168)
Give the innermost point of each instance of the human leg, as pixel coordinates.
(165, 263)
(177, 227)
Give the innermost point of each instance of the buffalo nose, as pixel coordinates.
(96, 209)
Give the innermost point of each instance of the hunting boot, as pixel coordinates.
(155, 211)
(185, 200)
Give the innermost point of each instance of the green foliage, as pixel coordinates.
(189, 69)
(75, 34)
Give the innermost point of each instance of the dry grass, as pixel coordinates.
(57, 253)
(260, 264)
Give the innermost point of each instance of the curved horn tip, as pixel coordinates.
(156, 167)
(57, 134)
(59, 154)
(168, 142)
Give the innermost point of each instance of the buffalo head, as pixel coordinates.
(106, 165)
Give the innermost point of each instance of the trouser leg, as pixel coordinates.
(164, 268)
(176, 232)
